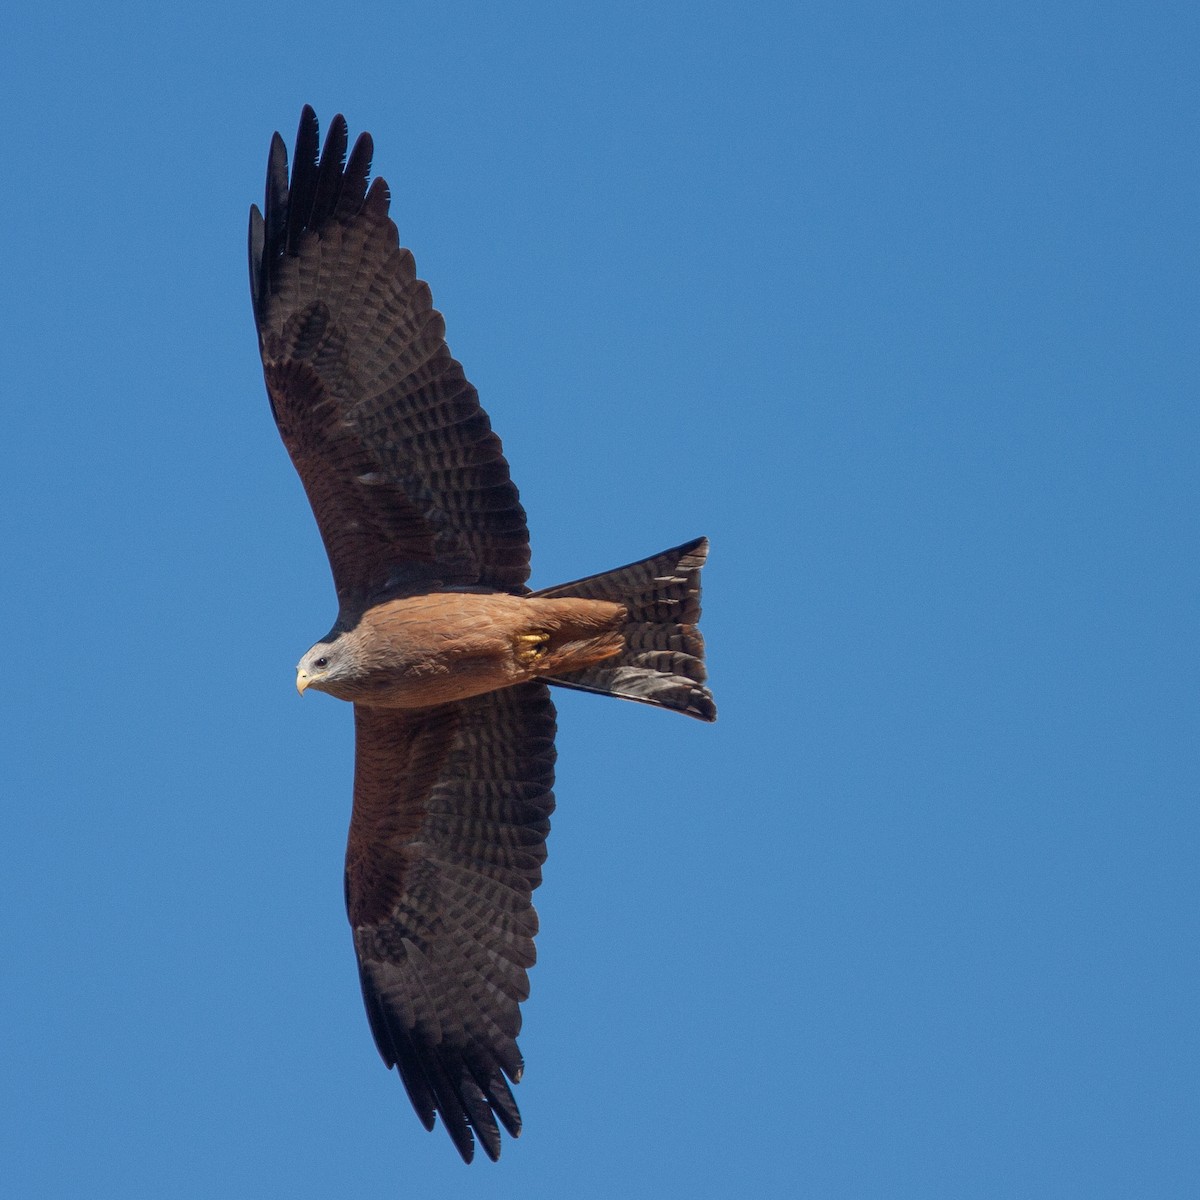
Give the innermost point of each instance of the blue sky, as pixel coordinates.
(897, 303)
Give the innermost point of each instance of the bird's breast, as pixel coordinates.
(442, 647)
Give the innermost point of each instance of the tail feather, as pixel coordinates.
(662, 662)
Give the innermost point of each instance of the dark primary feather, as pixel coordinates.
(406, 479)
(451, 813)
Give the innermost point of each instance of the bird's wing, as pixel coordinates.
(407, 481)
(447, 841)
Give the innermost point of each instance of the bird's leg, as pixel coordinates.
(532, 647)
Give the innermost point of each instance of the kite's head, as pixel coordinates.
(327, 667)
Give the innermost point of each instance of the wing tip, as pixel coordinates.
(321, 185)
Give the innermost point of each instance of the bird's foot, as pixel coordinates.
(531, 648)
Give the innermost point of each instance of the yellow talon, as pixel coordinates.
(531, 647)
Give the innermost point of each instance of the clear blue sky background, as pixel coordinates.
(895, 302)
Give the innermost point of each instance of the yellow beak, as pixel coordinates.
(302, 681)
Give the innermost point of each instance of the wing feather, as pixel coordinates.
(406, 479)
(447, 842)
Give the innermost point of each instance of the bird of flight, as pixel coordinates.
(442, 649)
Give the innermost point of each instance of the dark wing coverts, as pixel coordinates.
(406, 479)
(409, 485)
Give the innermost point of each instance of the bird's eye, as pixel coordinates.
(321, 663)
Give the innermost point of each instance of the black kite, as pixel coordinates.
(438, 642)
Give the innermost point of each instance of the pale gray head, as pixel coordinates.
(331, 667)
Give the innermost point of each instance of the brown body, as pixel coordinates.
(440, 647)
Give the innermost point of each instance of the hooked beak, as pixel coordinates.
(302, 681)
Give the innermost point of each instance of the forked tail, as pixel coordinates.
(663, 659)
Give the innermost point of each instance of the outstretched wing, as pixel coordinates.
(447, 841)
(407, 481)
